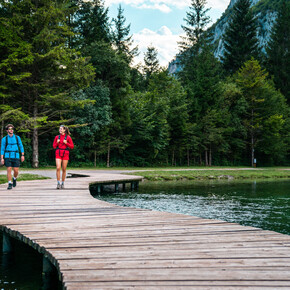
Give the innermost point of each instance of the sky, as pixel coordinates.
(158, 23)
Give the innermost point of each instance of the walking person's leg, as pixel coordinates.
(58, 168)
(9, 177)
(16, 172)
(64, 166)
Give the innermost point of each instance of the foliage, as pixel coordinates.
(121, 38)
(240, 38)
(278, 50)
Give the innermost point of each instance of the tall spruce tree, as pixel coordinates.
(265, 109)
(111, 67)
(151, 63)
(240, 38)
(91, 23)
(195, 31)
(54, 69)
(15, 55)
(121, 39)
(200, 71)
(278, 50)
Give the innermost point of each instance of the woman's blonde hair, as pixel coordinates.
(66, 130)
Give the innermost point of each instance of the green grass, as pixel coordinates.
(21, 177)
(208, 174)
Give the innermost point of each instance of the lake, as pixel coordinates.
(262, 204)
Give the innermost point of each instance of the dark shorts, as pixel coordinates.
(12, 162)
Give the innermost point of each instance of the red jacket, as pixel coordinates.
(61, 145)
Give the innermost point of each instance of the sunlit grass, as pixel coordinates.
(22, 177)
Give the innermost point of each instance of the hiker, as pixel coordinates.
(62, 143)
(10, 145)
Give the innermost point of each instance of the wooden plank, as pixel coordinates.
(97, 245)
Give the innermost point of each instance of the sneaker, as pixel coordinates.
(14, 182)
(58, 186)
(62, 186)
(9, 186)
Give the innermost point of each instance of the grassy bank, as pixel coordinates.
(21, 177)
(207, 174)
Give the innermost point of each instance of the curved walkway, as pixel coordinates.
(96, 245)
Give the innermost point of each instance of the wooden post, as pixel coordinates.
(7, 245)
(124, 187)
(116, 187)
(132, 185)
(99, 188)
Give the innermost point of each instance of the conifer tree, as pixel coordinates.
(197, 21)
(240, 38)
(121, 39)
(151, 62)
(54, 69)
(91, 23)
(265, 107)
(200, 69)
(278, 50)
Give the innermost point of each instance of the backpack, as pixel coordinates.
(17, 142)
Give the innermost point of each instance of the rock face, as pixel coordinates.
(266, 16)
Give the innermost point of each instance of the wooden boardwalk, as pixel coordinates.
(96, 245)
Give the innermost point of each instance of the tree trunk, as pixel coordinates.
(252, 140)
(95, 158)
(188, 158)
(206, 158)
(172, 161)
(210, 163)
(35, 161)
(108, 154)
(252, 149)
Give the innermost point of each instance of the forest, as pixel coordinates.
(66, 62)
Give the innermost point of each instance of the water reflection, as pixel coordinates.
(263, 204)
(20, 269)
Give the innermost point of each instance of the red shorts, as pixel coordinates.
(62, 154)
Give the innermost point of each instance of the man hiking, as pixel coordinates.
(10, 156)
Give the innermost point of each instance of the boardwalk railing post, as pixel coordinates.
(7, 245)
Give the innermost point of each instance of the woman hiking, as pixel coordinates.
(62, 143)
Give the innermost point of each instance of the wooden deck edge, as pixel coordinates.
(42, 250)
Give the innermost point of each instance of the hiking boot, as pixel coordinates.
(14, 182)
(58, 186)
(9, 186)
(62, 186)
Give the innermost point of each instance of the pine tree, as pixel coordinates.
(200, 72)
(91, 23)
(265, 107)
(278, 50)
(197, 21)
(240, 38)
(15, 55)
(121, 38)
(151, 62)
(54, 70)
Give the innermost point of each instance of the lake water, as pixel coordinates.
(22, 270)
(261, 204)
